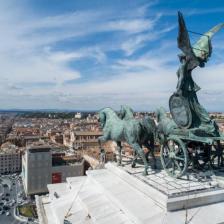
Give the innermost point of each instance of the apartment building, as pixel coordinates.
(10, 159)
(42, 166)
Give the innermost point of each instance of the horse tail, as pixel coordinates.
(150, 127)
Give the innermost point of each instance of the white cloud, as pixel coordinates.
(89, 52)
(139, 89)
(24, 40)
(138, 41)
(33, 73)
(132, 26)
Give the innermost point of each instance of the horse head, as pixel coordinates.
(126, 112)
(102, 119)
(160, 114)
(105, 114)
(165, 124)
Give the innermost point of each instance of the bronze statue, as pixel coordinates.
(191, 137)
(128, 130)
(192, 114)
(148, 136)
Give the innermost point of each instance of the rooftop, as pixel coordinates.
(88, 133)
(8, 148)
(36, 149)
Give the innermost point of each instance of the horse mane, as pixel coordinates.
(127, 110)
(108, 112)
(160, 114)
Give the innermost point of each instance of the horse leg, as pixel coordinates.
(100, 140)
(141, 153)
(147, 153)
(133, 164)
(99, 143)
(119, 148)
(151, 149)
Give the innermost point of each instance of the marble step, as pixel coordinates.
(136, 205)
(99, 207)
(70, 210)
(158, 197)
(66, 206)
(80, 201)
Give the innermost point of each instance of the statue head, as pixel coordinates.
(106, 114)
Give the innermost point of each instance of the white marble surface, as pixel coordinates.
(109, 197)
(127, 197)
(170, 186)
(170, 193)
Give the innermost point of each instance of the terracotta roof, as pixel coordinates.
(87, 133)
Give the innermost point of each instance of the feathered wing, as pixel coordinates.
(184, 44)
(183, 39)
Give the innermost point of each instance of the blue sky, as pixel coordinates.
(89, 54)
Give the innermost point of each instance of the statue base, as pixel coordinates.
(170, 193)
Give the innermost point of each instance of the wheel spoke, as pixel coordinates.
(219, 160)
(179, 158)
(171, 146)
(173, 167)
(178, 150)
(177, 164)
(174, 157)
(167, 163)
(167, 148)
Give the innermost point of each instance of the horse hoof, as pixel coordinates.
(133, 165)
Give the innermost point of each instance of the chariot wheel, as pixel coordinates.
(217, 158)
(174, 157)
(199, 156)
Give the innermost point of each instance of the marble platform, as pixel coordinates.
(122, 195)
(171, 193)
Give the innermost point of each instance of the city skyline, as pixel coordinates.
(82, 55)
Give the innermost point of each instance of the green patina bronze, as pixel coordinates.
(126, 113)
(191, 136)
(184, 105)
(128, 130)
(148, 135)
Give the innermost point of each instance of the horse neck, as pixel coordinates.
(128, 115)
(112, 115)
(162, 116)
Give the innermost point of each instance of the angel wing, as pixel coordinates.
(184, 44)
